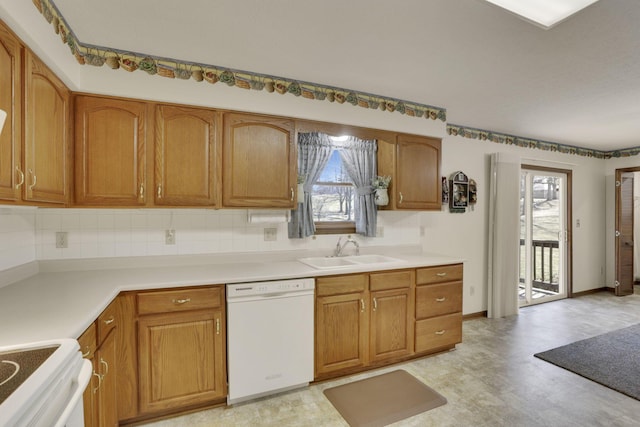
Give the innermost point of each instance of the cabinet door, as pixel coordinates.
(181, 359)
(110, 152)
(391, 319)
(11, 170)
(104, 364)
(186, 162)
(259, 165)
(342, 332)
(418, 184)
(46, 134)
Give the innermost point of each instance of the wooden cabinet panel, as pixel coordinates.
(438, 332)
(439, 274)
(439, 299)
(11, 169)
(346, 284)
(187, 159)
(180, 300)
(259, 162)
(127, 358)
(181, 359)
(418, 184)
(104, 364)
(110, 139)
(46, 134)
(391, 320)
(342, 332)
(391, 280)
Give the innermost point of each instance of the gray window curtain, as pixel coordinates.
(314, 150)
(504, 235)
(359, 159)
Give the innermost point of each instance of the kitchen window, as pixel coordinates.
(333, 198)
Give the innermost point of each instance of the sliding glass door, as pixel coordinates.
(543, 236)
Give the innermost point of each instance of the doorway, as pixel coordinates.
(625, 219)
(545, 243)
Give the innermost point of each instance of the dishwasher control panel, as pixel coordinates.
(238, 290)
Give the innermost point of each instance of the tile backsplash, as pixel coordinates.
(17, 237)
(95, 233)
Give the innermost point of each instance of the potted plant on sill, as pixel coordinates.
(380, 185)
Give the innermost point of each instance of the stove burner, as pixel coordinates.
(17, 366)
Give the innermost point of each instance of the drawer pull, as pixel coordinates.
(181, 301)
(440, 332)
(375, 304)
(362, 305)
(218, 326)
(106, 366)
(441, 299)
(109, 321)
(95, 390)
(441, 274)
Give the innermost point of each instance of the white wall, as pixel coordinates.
(466, 234)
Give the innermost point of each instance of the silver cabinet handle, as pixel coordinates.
(441, 274)
(181, 301)
(109, 320)
(375, 304)
(441, 299)
(35, 179)
(18, 185)
(361, 305)
(440, 332)
(218, 326)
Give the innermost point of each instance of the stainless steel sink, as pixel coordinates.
(322, 263)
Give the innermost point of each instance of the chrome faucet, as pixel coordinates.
(338, 251)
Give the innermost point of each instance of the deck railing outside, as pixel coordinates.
(545, 264)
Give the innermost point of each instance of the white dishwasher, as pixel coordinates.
(269, 337)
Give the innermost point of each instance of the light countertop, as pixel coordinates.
(64, 297)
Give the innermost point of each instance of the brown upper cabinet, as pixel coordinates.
(110, 140)
(413, 162)
(46, 134)
(187, 157)
(34, 144)
(11, 170)
(260, 161)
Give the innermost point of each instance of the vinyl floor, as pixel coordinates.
(491, 379)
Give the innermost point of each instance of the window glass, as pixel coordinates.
(333, 194)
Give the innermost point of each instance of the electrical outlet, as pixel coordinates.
(270, 234)
(62, 239)
(380, 231)
(170, 237)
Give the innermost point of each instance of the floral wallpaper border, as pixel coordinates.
(501, 138)
(173, 68)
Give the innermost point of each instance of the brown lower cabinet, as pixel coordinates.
(369, 320)
(162, 352)
(98, 344)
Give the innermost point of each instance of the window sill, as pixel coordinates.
(326, 227)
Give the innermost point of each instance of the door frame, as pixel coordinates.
(621, 290)
(568, 219)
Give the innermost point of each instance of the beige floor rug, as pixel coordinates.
(383, 399)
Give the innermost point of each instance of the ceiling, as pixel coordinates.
(577, 83)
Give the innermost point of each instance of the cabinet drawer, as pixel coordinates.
(438, 332)
(443, 273)
(107, 321)
(180, 300)
(88, 341)
(391, 280)
(436, 300)
(341, 284)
